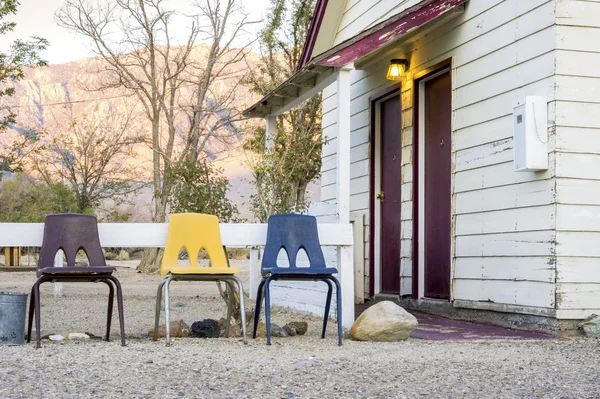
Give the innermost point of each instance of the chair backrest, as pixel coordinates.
(292, 233)
(194, 232)
(70, 232)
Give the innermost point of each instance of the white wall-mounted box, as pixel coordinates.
(530, 133)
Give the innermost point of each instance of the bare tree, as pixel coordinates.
(93, 153)
(281, 176)
(186, 89)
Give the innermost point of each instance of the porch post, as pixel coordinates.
(344, 253)
(255, 277)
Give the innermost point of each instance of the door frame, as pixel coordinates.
(418, 267)
(375, 185)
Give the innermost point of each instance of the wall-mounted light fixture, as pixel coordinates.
(397, 68)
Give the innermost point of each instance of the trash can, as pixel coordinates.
(13, 306)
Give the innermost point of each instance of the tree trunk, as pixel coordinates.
(150, 263)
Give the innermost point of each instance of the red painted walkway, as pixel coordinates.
(438, 328)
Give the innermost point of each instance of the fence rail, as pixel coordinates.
(250, 235)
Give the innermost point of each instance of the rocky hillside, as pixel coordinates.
(47, 96)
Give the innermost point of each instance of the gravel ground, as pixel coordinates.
(302, 367)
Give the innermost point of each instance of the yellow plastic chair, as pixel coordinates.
(193, 232)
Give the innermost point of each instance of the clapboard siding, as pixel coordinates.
(504, 222)
(577, 158)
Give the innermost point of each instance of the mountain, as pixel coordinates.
(46, 97)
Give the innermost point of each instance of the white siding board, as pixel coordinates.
(524, 293)
(578, 244)
(538, 243)
(578, 217)
(578, 296)
(577, 63)
(578, 13)
(500, 151)
(578, 140)
(506, 197)
(501, 105)
(577, 191)
(504, 58)
(508, 220)
(509, 79)
(575, 38)
(506, 268)
(484, 133)
(578, 89)
(578, 270)
(581, 166)
(497, 176)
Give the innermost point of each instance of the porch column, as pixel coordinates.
(345, 260)
(254, 272)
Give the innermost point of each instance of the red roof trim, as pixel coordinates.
(313, 32)
(394, 28)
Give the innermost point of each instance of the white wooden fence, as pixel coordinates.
(251, 235)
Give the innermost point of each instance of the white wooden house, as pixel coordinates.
(428, 161)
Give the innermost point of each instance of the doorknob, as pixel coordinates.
(380, 196)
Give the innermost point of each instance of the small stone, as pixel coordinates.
(300, 326)
(149, 361)
(56, 337)
(137, 336)
(290, 331)
(207, 328)
(177, 329)
(234, 331)
(261, 330)
(93, 336)
(277, 331)
(384, 322)
(78, 336)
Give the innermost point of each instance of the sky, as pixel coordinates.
(36, 17)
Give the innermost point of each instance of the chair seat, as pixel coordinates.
(77, 270)
(298, 271)
(199, 270)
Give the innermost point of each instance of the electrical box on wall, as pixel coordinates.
(530, 133)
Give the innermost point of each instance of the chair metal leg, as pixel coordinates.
(259, 298)
(327, 306)
(31, 312)
(268, 309)
(157, 310)
(242, 307)
(111, 295)
(338, 290)
(36, 294)
(167, 311)
(120, 306)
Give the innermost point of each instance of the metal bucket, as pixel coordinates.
(13, 306)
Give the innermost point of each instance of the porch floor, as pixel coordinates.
(438, 328)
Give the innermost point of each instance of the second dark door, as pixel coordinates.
(391, 149)
(438, 149)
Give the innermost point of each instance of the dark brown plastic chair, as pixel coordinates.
(71, 232)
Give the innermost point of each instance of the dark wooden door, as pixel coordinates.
(438, 148)
(391, 149)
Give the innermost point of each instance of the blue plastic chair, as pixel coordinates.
(292, 233)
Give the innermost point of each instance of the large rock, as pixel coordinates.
(384, 322)
(591, 326)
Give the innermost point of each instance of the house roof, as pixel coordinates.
(320, 68)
